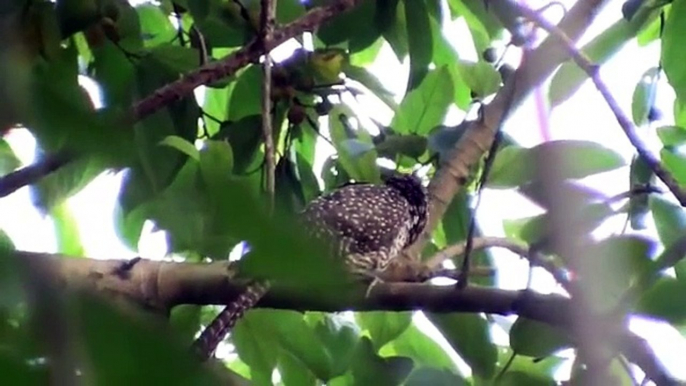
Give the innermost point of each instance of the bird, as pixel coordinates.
(366, 225)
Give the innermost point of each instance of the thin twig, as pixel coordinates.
(627, 126)
(479, 243)
(267, 20)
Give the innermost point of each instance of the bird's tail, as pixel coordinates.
(216, 331)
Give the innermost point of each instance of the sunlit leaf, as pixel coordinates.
(382, 326)
(424, 107)
(8, 161)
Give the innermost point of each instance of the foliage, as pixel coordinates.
(195, 168)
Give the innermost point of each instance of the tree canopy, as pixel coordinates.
(220, 143)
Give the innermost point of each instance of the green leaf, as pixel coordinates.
(671, 135)
(216, 163)
(515, 166)
(456, 226)
(395, 30)
(185, 319)
(425, 107)
(339, 338)
(419, 41)
(266, 332)
(640, 174)
(289, 10)
(421, 348)
(360, 166)
(393, 146)
(148, 355)
(66, 231)
(675, 163)
(293, 371)
(569, 77)
(445, 55)
(480, 77)
(369, 81)
(370, 369)
(114, 73)
(155, 26)
(665, 300)
(670, 219)
(673, 52)
(536, 339)
(357, 27)
(522, 378)
(181, 145)
(469, 336)
(174, 59)
(62, 118)
(53, 189)
(483, 24)
(245, 137)
(644, 96)
(8, 161)
(429, 376)
(383, 326)
(246, 96)
(256, 345)
(610, 266)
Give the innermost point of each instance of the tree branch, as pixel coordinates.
(629, 129)
(534, 258)
(163, 285)
(187, 83)
(32, 173)
(267, 16)
(537, 66)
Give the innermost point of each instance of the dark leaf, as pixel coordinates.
(370, 369)
(419, 41)
(122, 350)
(536, 339)
(430, 376)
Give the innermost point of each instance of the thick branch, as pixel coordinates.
(537, 66)
(162, 285)
(184, 87)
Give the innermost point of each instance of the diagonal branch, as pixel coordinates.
(185, 85)
(629, 128)
(537, 66)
